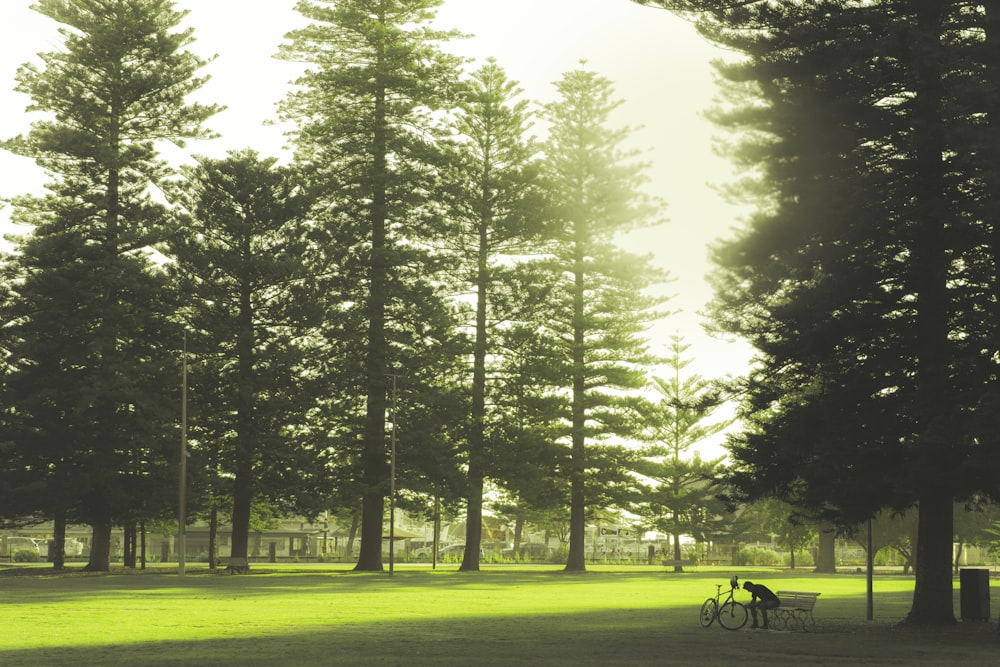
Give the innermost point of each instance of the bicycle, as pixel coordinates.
(732, 615)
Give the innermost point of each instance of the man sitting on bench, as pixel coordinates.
(763, 599)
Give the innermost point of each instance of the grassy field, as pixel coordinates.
(502, 616)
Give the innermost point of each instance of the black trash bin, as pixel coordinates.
(975, 592)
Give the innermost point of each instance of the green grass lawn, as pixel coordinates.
(319, 615)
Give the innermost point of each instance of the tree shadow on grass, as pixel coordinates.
(55, 586)
(619, 637)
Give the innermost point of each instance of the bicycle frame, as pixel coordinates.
(732, 615)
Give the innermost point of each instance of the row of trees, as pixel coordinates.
(868, 277)
(419, 239)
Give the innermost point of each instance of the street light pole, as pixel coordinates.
(869, 575)
(182, 518)
(392, 482)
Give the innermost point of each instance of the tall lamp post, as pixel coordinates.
(182, 513)
(870, 573)
(392, 482)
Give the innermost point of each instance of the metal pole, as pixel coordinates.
(871, 572)
(437, 531)
(182, 514)
(392, 485)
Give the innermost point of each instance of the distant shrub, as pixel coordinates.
(802, 559)
(27, 556)
(757, 556)
(886, 557)
(559, 554)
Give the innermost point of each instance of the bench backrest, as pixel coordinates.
(797, 599)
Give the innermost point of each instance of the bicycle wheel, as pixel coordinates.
(733, 615)
(709, 611)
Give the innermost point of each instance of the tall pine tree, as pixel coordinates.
(249, 306)
(366, 126)
(493, 202)
(596, 301)
(91, 310)
(683, 499)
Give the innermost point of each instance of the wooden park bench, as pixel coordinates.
(795, 611)
(234, 565)
(674, 563)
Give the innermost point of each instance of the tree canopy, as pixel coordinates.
(90, 365)
(866, 277)
(425, 298)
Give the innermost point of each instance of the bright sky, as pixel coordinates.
(659, 66)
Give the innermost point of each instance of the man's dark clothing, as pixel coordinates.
(763, 599)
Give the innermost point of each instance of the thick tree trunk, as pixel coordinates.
(100, 547)
(933, 594)
(933, 463)
(57, 547)
(518, 531)
(213, 538)
(826, 559)
(473, 522)
(246, 435)
(991, 177)
(576, 560)
(100, 543)
(242, 497)
(677, 552)
(373, 460)
(370, 556)
(474, 500)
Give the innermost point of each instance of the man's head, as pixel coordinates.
(747, 585)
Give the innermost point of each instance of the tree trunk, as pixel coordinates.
(436, 542)
(474, 500)
(576, 560)
(826, 558)
(352, 535)
(213, 538)
(242, 500)
(100, 547)
(991, 155)
(932, 461)
(246, 434)
(373, 459)
(242, 496)
(130, 544)
(518, 530)
(677, 552)
(473, 522)
(372, 509)
(933, 594)
(57, 547)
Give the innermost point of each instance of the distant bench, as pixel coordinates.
(796, 609)
(676, 563)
